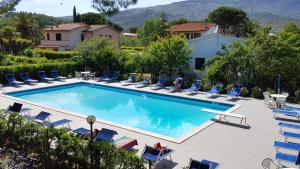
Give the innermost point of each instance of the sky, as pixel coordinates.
(65, 7)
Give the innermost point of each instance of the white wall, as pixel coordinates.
(207, 46)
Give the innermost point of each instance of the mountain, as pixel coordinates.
(275, 12)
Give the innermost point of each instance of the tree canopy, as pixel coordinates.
(110, 7)
(226, 17)
(260, 60)
(8, 5)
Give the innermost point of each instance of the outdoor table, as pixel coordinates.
(86, 74)
(278, 98)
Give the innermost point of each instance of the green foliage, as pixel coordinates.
(111, 7)
(8, 5)
(178, 21)
(169, 55)
(65, 68)
(152, 30)
(257, 93)
(244, 92)
(129, 42)
(91, 18)
(58, 148)
(260, 60)
(50, 54)
(297, 95)
(226, 17)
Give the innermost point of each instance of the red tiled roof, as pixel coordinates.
(66, 27)
(192, 27)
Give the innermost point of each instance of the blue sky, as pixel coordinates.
(54, 7)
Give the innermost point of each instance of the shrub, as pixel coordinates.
(297, 95)
(257, 93)
(50, 54)
(64, 68)
(244, 92)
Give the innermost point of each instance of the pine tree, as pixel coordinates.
(74, 15)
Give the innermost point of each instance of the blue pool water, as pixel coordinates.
(160, 114)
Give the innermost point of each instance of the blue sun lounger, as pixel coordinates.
(287, 135)
(288, 125)
(286, 145)
(55, 75)
(25, 77)
(204, 164)
(291, 108)
(285, 112)
(59, 123)
(214, 90)
(154, 155)
(81, 132)
(178, 83)
(12, 80)
(286, 157)
(43, 77)
(159, 84)
(105, 74)
(42, 117)
(105, 135)
(114, 77)
(130, 80)
(193, 88)
(142, 83)
(235, 92)
(16, 107)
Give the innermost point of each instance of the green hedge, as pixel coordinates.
(50, 54)
(64, 69)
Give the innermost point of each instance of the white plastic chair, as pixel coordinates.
(93, 75)
(78, 75)
(283, 100)
(268, 100)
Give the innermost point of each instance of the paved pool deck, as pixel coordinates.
(232, 145)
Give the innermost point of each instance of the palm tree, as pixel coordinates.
(8, 33)
(8, 5)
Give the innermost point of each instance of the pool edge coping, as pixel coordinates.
(178, 140)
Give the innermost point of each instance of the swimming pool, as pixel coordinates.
(163, 115)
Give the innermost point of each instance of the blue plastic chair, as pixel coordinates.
(287, 135)
(286, 157)
(105, 135)
(114, 77)
(290, 108)
(12, 80)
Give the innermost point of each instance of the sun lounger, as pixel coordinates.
(286, 145)
(193, 88)
(224, 115)
(55, 75)
(286, 157)
(235, 92)
(177, 84)
(154, 156)
(215, 90)
(288, 125)
(62, 122)
(42, 117)
(287, 135)
(204, 164)
(105, 75)
(142, 83)
(159, 84)
(125, 142)
(290, 108)
(285, 112)
(25, 77)
(16, 107)
(130, 80)
(105, 135)
(12, 80)
(43, 77)
(114, 77)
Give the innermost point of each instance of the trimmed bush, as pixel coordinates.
(64, 68)
(257, 93)
(244, 92)
(49, 54)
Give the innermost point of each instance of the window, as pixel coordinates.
(199, 63)
(82, 37)
(187, 35)
(195, 35)
(110, 36)
(48, 36)
(58, 37)
(101, 35)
